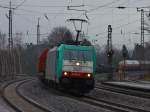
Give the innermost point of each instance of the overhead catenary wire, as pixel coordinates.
(101, 6)
(123, 25)
(107, 6)
(55, 13)
(98, 7)
(20, 4)
(39, 12)
(115, 27)
(76, 7)
(83, 4)
(122, 19)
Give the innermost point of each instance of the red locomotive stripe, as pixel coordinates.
(76, 75)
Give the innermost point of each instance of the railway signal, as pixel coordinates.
(110, 51)
(109, 45)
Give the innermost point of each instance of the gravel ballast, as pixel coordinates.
(53, 99)
(123, 99)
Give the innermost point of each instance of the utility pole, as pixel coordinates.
(38, 32)
(10, 39)
(11, 63)
(110, 50)
(10, 43)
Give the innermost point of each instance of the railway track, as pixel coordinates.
(94, 102)
(105, 104)
(112, 106)
(124, 90)
(19, 102)
(23, 104)
(101, 103)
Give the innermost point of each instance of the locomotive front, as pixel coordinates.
(78, 67)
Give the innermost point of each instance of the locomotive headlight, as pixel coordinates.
(77, 63)
(89, 75)
(65, 73)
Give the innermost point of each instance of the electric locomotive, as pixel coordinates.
(69, 66)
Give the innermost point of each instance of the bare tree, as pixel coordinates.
(18, 39)
(60, 35)
(137, 52)
(3, 40)
(125, 52)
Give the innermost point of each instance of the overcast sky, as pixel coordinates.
(101, 13)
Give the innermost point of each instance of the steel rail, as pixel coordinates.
(122, 91)
(125, 90)
(124, 108)
(19, 103)
(98, 103)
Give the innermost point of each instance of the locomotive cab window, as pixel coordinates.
(78, 55)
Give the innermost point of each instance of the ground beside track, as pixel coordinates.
(4, 106)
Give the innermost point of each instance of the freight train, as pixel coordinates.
(72, 67)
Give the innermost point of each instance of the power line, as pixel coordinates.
(53, 6)
(33, 11)
(119, 26)
(107, 4)
(93, 28)
(96, 7)
(102, 6)
(20, 4)
(44, 34)
(60, 13)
